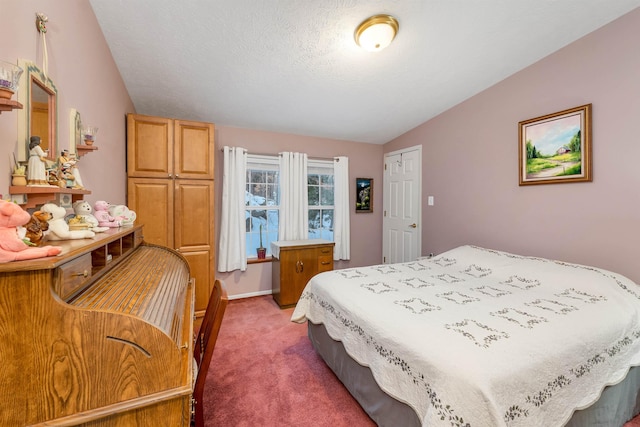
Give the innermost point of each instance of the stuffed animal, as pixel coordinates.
(101, 212)
(12, 248)
(58, 227)
(122, 213)
(84, 211)
(36, 227)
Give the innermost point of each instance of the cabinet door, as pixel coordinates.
(307, 268)
(152, 201)
(194, 234)
(149, 146)
(194, 151)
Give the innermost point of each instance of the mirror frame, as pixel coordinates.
(33, 74)
(75, 130)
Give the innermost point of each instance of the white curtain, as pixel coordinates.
(341, 226)
(232, 254)
(294, 201)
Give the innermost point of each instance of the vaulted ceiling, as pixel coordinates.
(292, 66)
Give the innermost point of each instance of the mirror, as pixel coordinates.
(39, 116)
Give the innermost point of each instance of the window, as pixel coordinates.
(262, 201)
(320, 193)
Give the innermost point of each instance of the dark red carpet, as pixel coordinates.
(264, 372)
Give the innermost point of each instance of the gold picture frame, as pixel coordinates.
(556, 148)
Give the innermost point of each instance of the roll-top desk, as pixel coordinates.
(100, 335)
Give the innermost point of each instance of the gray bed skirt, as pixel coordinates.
(617, 405)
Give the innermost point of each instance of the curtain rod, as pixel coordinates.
(273, 155)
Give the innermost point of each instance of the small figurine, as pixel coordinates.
(68, 167)
(122, 213)
(58, 227)
(36, 168)
(12, 248)
(37, 226)
(83, 210)
(101, 212)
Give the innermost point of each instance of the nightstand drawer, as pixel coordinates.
(72, 276)
(325, 263)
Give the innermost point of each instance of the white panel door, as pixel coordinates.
(402, 206)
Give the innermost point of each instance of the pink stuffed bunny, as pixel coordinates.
(101, 212)
(12, 248)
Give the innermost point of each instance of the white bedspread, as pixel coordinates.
(477, 337)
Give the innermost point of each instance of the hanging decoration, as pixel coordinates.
(41, 25)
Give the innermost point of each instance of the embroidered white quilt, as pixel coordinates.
(477, 337)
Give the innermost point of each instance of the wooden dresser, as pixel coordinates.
(100, 335)
(294, 263)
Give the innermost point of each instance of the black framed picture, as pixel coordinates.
(364, 195)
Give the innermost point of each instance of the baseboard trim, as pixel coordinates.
(250, 294)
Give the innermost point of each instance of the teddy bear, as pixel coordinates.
(58, 227)
(122, 213)
(101, 212)
(12, 248)
(84, 211)
(37, 226)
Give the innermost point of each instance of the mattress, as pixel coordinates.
(478, 337)
(617, 404)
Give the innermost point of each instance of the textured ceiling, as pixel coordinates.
(292, 66)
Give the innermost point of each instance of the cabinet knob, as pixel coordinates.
(83, 274)
(299, 266)
(170, 176)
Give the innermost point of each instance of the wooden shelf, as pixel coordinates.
(41, 195)
(8, 105)
(82, 149)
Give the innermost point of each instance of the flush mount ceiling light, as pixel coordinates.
(377, 32)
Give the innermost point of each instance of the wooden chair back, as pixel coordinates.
(205, 342)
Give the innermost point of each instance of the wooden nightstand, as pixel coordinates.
(294, 263)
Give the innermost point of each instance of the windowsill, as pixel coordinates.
(258, 261)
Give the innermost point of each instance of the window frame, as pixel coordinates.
(261, 163)
(322, 167)
(272, 163)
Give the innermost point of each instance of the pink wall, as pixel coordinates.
(470, 160)
(365, 160)
(83, 70)
(87, 79)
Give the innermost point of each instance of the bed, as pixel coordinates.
(479, 337)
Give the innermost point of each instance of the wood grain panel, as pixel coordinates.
(194, 150)
(149, 147)
(123, 359)
(152, 201)
(295, 266)
(199, 265)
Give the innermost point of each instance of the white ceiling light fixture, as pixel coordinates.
(377, 32)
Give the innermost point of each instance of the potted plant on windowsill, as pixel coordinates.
(262, 251)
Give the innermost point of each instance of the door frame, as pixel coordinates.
(385, 197)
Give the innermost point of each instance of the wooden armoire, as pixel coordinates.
(170, 172)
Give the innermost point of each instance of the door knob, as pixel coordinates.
(414, 225)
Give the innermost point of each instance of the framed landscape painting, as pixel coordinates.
(556, 148)
(364, 195)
